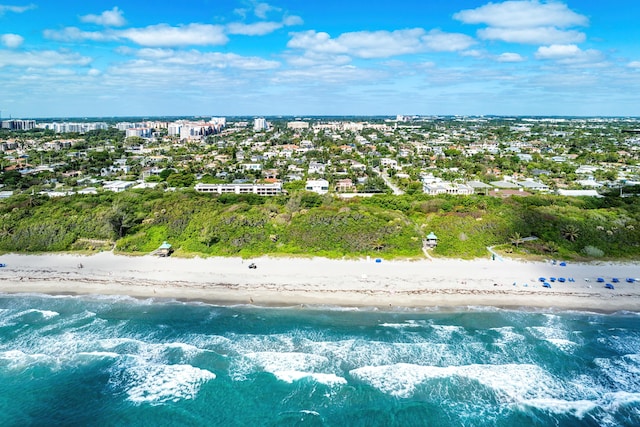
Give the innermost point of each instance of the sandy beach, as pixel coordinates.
(319, 281)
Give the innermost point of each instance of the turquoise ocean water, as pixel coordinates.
(94, 361)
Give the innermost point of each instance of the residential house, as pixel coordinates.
(479, 186)
(443, 187)
(272, 189)
(320, 186)
(270, 173)
(251, 166)
(529, 184)
(316, 168)
(388, 163)
(117, 186)
(344, 185)
(506, 185)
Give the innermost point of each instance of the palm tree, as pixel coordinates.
(516, 239)
(570, 232)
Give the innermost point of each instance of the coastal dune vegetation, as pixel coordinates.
(307, 224)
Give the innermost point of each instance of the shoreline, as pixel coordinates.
(290, 282)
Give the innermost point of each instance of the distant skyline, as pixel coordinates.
(297, 58)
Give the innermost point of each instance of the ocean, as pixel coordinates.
(107, 361)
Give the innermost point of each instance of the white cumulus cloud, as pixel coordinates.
(510, 57)
(46, 58)
(634, 64)
(70, 34)
(518, 14)
(204, 59)
(261, 10)
(12, 41)
(379, 44)
(263, 27)
(186, 35)
(255, 29)
(526, 21)
(161, 35)
(537, 35)
(15, 9)
(568, 54)
(108, 18)
(438, 41)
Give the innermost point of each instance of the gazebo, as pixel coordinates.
(432, 241)
(164, 250)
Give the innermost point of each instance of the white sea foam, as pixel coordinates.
(621, 340)
(613, 401)
(577, 408)
(510, 382)
(558, 337)
(98, 354)
(152, 383)
(116, 298)
(276, 361)
(13, 318)
(508, 334)
(509, 342)
(261, 343)
(623, 371)
(75, 321)
(407, 324)
(351, 354)
(18, 360)
(327, 379)
(187, 350)
(562, 344)
(46, 314)
(445, 332)
(6, 317)
(121, 345)
(158, 352)
(610, 403)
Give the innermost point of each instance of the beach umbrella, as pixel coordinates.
(609, 286)
(615, 280)
(542, 279)
(630, 280)
(561, 279)
(600, 280)
(546, 285)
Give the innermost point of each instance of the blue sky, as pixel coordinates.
(298, 57)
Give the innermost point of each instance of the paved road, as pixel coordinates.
(391, 185)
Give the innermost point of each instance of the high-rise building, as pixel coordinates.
(18, 124)
(260, 124)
